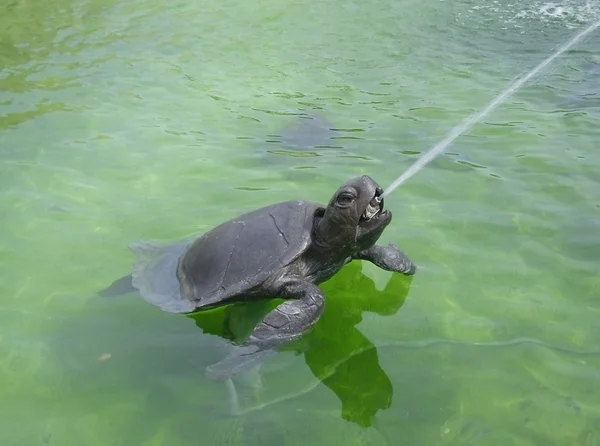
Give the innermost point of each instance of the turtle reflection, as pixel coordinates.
(335, 350)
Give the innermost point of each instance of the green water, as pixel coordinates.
(122, 121)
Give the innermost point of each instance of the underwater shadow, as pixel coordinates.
(305, 138)
(337, 353)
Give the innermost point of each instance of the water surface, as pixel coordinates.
(123, 121)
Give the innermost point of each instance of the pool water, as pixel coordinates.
(145, 120)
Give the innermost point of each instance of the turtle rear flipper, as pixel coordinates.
(155, 275)
(240, 359)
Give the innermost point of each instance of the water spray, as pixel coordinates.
(471, 121)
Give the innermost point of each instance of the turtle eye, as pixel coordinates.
(345, 198)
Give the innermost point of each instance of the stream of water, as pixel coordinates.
(468, 123)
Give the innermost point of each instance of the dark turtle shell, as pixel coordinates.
(225, 262)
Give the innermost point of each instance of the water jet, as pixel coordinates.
(473, 119)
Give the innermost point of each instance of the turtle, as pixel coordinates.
(283, 250)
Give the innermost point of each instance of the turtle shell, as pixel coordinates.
(225, 262)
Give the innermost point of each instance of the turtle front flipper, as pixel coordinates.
(290, 319)
(241, 359)
(286, 323)
(389, 258)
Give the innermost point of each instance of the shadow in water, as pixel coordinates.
(308, 131)
(337, 353)
(583, 93)
(300, 142)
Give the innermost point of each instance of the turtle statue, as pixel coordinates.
(283, 250)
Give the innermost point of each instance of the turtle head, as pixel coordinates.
(355, 215)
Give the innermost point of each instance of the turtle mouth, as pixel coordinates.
(375, 206)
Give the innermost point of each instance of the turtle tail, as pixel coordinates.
(119, 287)
(154, 276)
